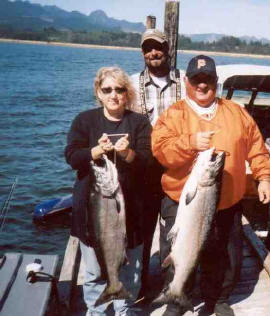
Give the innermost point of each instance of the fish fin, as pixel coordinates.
(126, 261)
(167, 261)
(173, 233)
(190, 195)
(110, 294)
(118, 204)
(162, 298)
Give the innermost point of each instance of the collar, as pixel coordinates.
(194, 104)
(208, 113)
(148, 80)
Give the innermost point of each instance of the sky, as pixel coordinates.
(230, 17)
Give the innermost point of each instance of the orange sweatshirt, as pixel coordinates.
(236, 133)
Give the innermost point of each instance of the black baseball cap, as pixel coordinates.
(201, 64)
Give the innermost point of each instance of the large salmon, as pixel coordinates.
(107, 226)
(197, 206)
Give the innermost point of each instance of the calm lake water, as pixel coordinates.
(42, 88)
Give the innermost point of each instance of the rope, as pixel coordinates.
(142, 95)
(5, 207)
(33, 277)
(178, 84)
(114, 157)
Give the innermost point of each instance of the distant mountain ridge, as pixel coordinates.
(28, 16)
(100, 18)
(211, 37)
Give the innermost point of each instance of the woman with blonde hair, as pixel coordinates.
(88, 139)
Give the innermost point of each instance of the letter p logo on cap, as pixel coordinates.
(201, 63)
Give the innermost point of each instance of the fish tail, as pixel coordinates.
(166, 297)
(111, 293)
(185, 303)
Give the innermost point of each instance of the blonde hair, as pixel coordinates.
(120, 77)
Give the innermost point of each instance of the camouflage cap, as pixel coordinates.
(155, 35)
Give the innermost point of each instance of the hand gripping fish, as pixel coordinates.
(197, 206)
(108, 226)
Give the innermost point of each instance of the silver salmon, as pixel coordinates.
(108, 226)
(197, 206)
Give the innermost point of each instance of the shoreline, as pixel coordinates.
(93, 46)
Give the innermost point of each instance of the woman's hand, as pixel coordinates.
(122, 146)
(104, 145)
(123, 150)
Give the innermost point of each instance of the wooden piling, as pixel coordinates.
(171, 22)
(68, 275)
(150, 22)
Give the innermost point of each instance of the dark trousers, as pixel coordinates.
(152, 197)
(152, 210)
(221, 258)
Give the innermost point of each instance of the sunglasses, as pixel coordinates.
(148, 47)
(118, 90)
(197, 80)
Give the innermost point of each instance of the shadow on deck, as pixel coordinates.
(249, 298)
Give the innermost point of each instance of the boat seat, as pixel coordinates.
(18, 296)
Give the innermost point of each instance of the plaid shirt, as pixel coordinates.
(156, 99)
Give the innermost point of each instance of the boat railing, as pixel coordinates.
(256, 243)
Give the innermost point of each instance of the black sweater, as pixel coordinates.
(84, 133)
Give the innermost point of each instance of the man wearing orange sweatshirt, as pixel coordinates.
(195, 124)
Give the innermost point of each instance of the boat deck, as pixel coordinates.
(249, 298)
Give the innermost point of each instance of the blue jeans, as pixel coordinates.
(130, 276)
